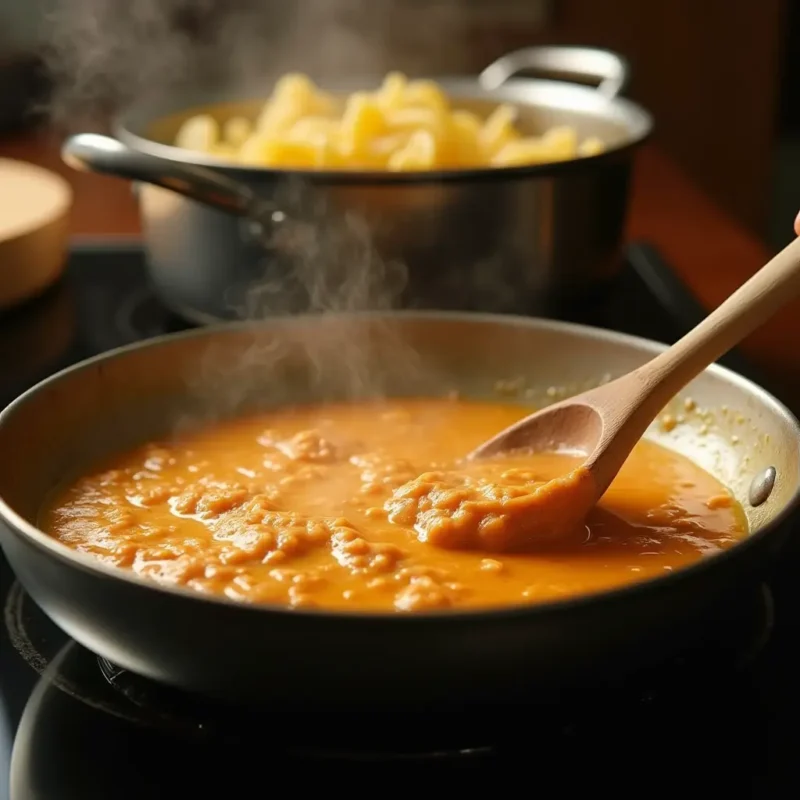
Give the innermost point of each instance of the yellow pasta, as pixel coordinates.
(418, 154)
(362, 122)
(236, 131)
(402, 126)
(591, 147)
(198, 133)
(392, 92)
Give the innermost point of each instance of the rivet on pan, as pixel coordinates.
(762, 486)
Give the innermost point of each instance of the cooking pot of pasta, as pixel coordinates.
(495, 193)
(281, 513)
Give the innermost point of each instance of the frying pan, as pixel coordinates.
(320, 660)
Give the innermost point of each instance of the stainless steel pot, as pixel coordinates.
(509, 239)
(310, 659)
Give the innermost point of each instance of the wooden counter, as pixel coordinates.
(711, 252)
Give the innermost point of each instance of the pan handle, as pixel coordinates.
(103, 154)
(609, 68)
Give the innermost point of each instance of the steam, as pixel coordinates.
(319, 260)
(108, 54)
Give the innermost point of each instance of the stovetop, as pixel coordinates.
(719, 718)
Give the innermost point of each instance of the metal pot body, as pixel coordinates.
(494, 239)
(316, 660)
(516, 245)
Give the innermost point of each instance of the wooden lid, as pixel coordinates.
(34, 229)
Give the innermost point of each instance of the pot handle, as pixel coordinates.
(108, 156)
(610, 69)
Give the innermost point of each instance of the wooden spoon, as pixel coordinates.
(605, 423)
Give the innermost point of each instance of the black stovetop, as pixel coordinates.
(720, 718)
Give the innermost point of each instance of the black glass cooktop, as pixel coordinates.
(720, 719)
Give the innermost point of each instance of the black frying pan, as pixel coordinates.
(311, 659)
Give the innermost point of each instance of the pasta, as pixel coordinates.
(403, 126)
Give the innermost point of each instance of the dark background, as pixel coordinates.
(720, 76)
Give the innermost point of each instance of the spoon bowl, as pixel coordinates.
(573, 426)
(604, 424)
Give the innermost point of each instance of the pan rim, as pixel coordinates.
(51, 547)
(127, 127)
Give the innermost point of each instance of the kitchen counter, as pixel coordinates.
(709, 250)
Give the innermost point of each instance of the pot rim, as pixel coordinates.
(627, 593)
(564, 95)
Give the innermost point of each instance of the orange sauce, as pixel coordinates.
(369, 507)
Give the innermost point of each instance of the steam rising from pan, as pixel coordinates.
(107, 54)
(320, 261)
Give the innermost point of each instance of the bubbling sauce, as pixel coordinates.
(369, 507)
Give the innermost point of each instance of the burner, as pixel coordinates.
(68, 749)
(34, 636)
(197, 716)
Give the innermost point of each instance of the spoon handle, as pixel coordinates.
(754, 302)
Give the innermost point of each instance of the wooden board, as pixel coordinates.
(34, 229)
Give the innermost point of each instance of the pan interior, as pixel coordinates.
(149, 391)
